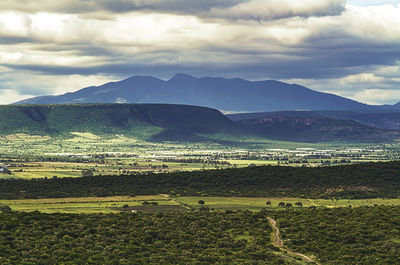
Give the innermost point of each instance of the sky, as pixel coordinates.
(350, 48)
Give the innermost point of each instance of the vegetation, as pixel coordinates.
(161, 238)
(367, 180)
(90, 204)
(363, 235)
(316, 129)
(156, 122)
(257, 204)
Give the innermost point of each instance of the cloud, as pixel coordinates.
(18, 85)
(329, 45)
(276, 9)
(89, 7)
(378, 96)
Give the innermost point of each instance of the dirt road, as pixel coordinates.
(277, 241)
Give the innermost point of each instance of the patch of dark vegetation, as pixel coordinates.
(151, 208)
(368, 180)
(362, 235)
(126, 238)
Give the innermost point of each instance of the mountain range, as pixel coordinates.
(229, 95)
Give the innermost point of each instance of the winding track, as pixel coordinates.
(278, 242)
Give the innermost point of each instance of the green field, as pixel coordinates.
(111, 204)
(245, 203)
(84, 205)
(29, 156)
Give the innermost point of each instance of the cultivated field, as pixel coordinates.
(29, 156)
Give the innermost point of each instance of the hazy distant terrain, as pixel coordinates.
(236, 95)
(384, 119)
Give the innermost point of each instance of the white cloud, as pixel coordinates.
(376, 23)
(360, 78)
(378, 96)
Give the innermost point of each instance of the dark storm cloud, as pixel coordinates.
(117, 6)
(305, 63)
(321, 40)
(228, 9)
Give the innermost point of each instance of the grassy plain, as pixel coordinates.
(246, 203)
(84, 205)
(111, 204)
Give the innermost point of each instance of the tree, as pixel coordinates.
(289, 205)
(281, 204)
(300, 204)
(87, 173)
(201, 202)
(5, 209)
(268, 203)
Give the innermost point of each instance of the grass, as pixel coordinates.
(84, 205)
(245, 203)
(113, 203)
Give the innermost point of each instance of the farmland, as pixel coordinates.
(85, 204)
(71, 198)
(144, 203)
(33, 156)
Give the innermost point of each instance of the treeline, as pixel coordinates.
(362, 235)
(351, 181)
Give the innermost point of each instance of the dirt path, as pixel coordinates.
(277, 241)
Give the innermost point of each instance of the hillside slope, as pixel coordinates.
(148, 121)
(219, 93)
(315, 129)
(183, 123)
(379, 119)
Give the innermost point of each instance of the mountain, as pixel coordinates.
(146, 121)
(231, 95)
(383, 119)
(315, 129)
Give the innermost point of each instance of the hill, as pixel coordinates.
(383, 119)
(183, 123)
(236, 94)
(307, 128)
(147, 121)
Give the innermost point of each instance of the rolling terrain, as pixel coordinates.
(147, 121)
(315, 129)
(236, 94)
(180, 123)
(384, 119)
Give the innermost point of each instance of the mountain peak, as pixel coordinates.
(181, 76)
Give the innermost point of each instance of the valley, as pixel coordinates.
(187, 132)
(33, 156)
(153, 164)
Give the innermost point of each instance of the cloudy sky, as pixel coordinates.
(350, 48)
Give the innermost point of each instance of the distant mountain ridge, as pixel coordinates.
(235, 95)
(383, 119)
(315, 129)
